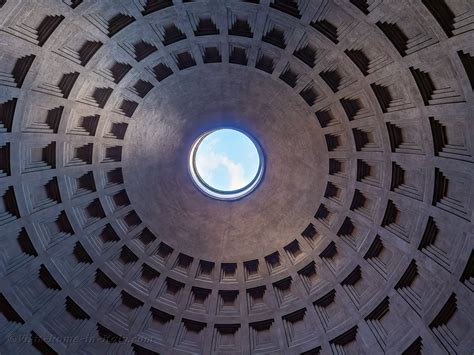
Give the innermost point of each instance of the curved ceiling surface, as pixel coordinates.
(359, 238)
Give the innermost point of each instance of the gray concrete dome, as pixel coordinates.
(359, 239)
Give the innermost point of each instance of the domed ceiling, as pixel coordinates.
(358, 239)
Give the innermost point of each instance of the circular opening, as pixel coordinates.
(226, 163)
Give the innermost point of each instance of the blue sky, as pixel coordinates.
(227, 160)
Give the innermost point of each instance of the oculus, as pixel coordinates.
(226, 163)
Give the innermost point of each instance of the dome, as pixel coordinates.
(353, 235)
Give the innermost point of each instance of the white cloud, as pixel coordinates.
(236, 173)
(208, 160)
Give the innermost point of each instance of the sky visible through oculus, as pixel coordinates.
(227, 160)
